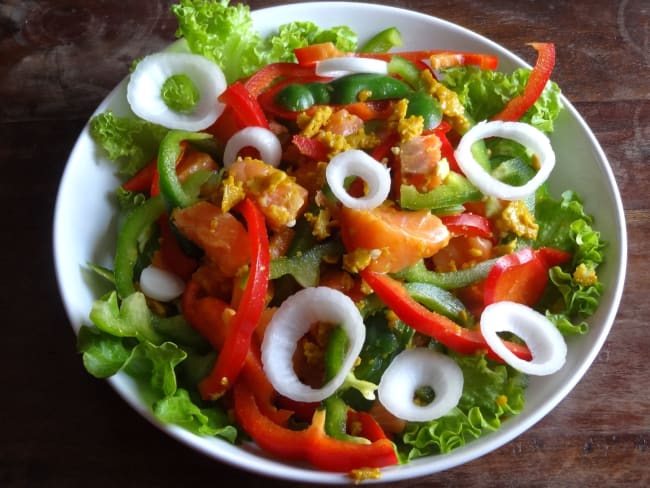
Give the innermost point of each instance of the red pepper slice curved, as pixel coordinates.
(264, 78)
(539, 76)
(432, 324)
(141, 181)
(244, 105)
(312, 148)
(468, 224)
(208, 316)
(517, 277)
(311, 444)
(237, 344)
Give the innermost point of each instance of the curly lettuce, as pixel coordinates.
(484, 93)
(225, 34)
(575, 288)
(130, 141)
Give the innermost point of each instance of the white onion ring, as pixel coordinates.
(146, 81)
(525, 134)
(265, 141)
(355, 162)
(545, 342)
(335, 67)
(412, 369)
(291, 321)
(160, 284)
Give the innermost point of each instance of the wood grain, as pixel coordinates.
(60, 427)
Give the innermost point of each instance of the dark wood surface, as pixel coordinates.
(60, 427)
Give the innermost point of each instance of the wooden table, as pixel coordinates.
(60, 427)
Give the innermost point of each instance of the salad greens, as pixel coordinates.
(168, 357)
(225, 34)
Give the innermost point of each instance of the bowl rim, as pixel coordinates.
(266, 465)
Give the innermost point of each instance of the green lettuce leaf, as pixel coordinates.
(180, 410)
(484, 93)
(131, 142)
(564, 224)
(156, 364)
(225, 34)
(103, 354)
(131, 318)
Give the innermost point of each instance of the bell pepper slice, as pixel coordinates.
(312, 148)
(237, 343)
(521, 276)
(170, 152)
(246, 109)
(468, 224)
(539, 76)
(208, 316)
(126, 251)
(265, 77)
(311, 444)
(141, 181)
(432, 324)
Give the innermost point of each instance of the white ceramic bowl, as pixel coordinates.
(84, 230)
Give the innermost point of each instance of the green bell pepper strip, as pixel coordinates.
(336, 409)
(232, 356)
(454, 191)
(425, 106)
(305, 266)
(383, 41)
(135, 223)
(168, 155)
(406, 70)
(346, 89)
(418, 273)
(340, 91)
(441, 301)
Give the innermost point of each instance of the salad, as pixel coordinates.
(347, 253)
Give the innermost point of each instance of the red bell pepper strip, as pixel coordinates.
(468, 224)
(430, 323)
(369, 427)
(522, 276)
(312, 148)
(539, 76)
(141, 181)
(519, 277)
(553, 256)
(246, 109)
(237, 344)
(265, 77)
(311, 444)
(446, 148)
(208, 315)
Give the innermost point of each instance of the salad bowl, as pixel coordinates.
(85, 216)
